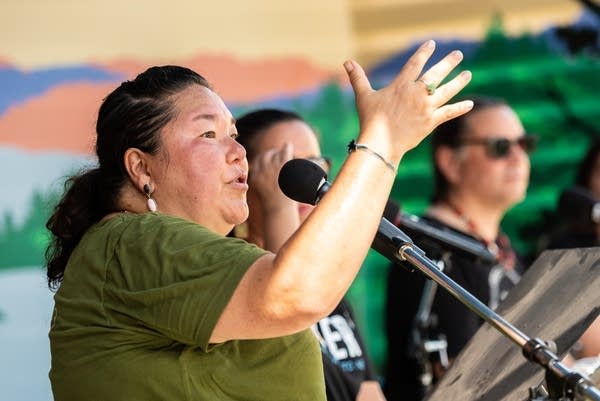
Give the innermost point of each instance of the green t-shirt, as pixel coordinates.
(134, 314)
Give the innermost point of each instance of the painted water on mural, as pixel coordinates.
(25, 311)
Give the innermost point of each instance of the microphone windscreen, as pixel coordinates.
(300, 180)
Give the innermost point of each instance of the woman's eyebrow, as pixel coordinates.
(210, 116)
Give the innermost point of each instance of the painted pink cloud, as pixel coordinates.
(241, 81)
(63, 118)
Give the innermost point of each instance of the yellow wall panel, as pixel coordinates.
(36, 33)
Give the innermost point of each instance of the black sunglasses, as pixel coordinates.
(497, 148)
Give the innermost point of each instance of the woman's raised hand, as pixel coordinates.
(397, 117)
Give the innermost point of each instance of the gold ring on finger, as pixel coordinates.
(429, 87)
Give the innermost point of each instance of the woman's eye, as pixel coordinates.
(209, 134)
(234, 135)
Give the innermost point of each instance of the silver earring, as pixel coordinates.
(150, 202)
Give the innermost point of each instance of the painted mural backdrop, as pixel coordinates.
(47, 122)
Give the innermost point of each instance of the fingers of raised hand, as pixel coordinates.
(450, 111)
(439, 96)
(414, 100)
(413, 67)
(451, 88)
(272, 159)
(436, 74)
(286, 153)
(444, 112)
(358, 79)
(266, 165)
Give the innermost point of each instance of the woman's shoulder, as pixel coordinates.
(168, 231)
(150, 227)
(150, 221)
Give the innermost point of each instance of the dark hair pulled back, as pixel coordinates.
(132, 116)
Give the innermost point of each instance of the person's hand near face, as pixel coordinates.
(279, 213)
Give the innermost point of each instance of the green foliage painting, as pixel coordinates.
(24, 245)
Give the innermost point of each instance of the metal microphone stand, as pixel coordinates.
(563, 383)
(421, 344)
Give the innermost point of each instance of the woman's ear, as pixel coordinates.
(136, 164)
(448, 162)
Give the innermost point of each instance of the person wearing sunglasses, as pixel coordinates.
(271, 137)
(500, 147)
(481, 169)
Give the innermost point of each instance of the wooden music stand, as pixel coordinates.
(556, 300)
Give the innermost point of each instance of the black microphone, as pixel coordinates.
(579, 203)
(304, 181)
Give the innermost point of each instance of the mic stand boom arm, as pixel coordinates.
(392, 243)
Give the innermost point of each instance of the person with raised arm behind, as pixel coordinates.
(271, 137)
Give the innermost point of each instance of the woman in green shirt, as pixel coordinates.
(154, 302)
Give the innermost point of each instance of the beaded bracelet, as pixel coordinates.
(352, 146)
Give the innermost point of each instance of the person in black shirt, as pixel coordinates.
(271, 137)
(481, 170)
(347, 369)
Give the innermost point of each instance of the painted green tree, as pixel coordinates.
(25, 244)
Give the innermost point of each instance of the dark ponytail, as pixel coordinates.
(132, 116)
(75, 212)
